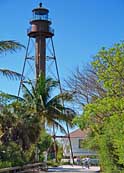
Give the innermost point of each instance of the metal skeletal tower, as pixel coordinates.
(41, 31)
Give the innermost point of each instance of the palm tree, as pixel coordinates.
(38, 102)
(9, 46)
(49, 109)
(37, 109)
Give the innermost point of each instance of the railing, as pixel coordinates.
(50, 29)
(25, 168)
(40, 17)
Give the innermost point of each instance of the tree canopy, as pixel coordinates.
(103, 114)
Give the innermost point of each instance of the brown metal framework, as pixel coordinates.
(40, 30)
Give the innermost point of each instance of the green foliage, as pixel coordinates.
(5, 164)
(52, 163)
(104, 116)
(43, 144)
(10, 46)
(48, 109)
(108, 64)
(59, 152)
(23, 121)
(11, 153)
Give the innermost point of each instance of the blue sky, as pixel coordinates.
(82, 27)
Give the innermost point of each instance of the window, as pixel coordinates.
(80, 143)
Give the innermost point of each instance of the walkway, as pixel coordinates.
(68, 168)
(74, 169)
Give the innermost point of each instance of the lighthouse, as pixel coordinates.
(40, 30)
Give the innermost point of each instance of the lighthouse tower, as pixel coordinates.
(40, 30)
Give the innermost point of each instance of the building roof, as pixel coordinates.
(78, 133)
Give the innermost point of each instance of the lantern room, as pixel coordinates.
(40, 13)
(40, 23)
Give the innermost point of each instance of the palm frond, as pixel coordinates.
(10, 96)
(57, 125)
(10, 46)
(58, 100)
(10, 74)
(66, 97)
(45, 86)
(27, 93)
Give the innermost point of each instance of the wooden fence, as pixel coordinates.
(26, 168)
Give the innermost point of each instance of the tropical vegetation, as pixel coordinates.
(32, 113)
(101, 91)
(98, 91)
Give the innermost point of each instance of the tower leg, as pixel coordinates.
(22, 76)
(61, 91)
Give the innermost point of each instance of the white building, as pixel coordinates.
(76, 138)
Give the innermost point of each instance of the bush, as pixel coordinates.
(52, 163)
(5, 164)
(65, 163)
(11, 155)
